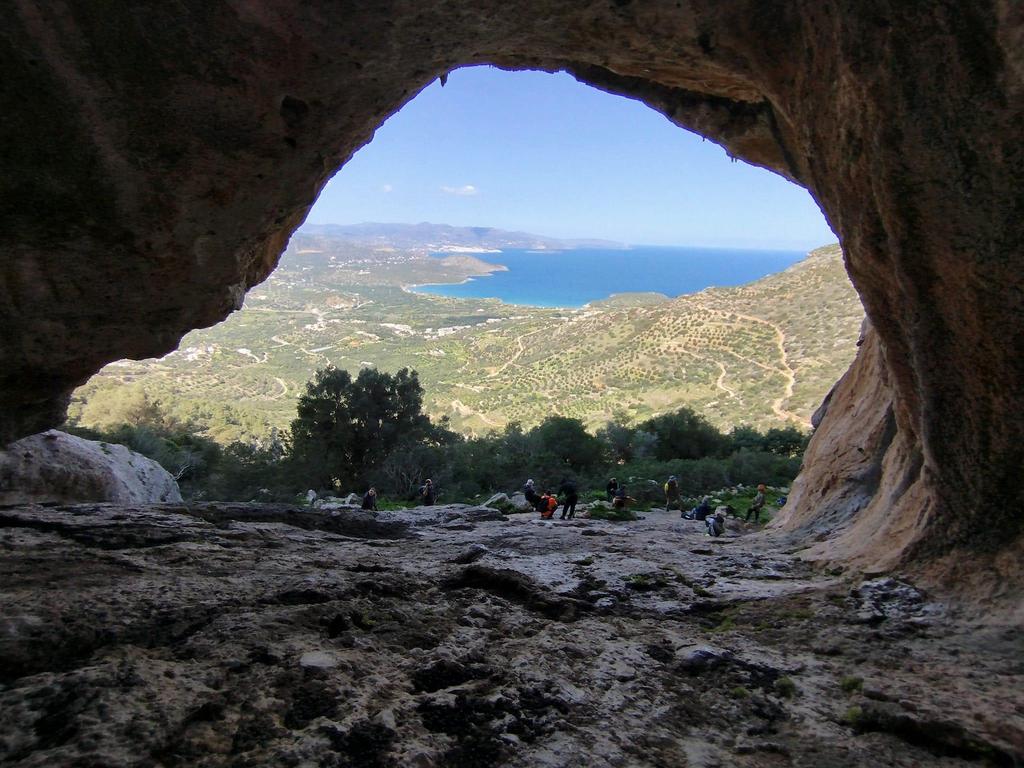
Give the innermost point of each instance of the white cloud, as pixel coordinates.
(466, 190)
(386, 188)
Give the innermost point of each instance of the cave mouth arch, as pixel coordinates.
(140, 134)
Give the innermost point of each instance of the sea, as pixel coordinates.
(573, 278)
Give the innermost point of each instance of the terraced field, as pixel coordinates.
(763, 354)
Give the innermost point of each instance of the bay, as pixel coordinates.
(576, 277)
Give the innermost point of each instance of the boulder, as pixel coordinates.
(497, 500)
(57, 467)
(518, 500)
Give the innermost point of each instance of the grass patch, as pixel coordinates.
(739, 692)
(851, 684)
(785, 687)
(618, 515)
(727, 624)
(852, 716)
(645, 582)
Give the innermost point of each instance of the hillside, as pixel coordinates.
(763, 354)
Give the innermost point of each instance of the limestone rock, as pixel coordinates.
(233, 634)
(58, 467)
(518, 500)
(498, 501)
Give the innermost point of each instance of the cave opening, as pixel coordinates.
(534, 170)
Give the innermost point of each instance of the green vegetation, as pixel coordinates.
(785, 687)
(763, 354)
(714, 387)
(851, 684)
(645, 582)
(853, 716)
(350, 433)
(346, 429)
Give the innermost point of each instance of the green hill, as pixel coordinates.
(763, 354)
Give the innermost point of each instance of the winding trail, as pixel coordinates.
(786, 370)
(720, 381)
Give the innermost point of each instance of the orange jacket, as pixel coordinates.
(548, 506)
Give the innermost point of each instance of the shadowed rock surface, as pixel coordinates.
(153, 636)
(159, 156)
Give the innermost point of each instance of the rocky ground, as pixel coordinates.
(247, 635)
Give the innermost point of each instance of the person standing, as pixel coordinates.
(428, 494)
(672, 493)
(757, 505)
(569, 496)
(611, 489)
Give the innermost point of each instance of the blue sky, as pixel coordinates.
(543, 153)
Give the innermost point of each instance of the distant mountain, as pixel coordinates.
(440, 237)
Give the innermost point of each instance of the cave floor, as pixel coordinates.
(243, 635)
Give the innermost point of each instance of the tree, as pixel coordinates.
(563, 443)
(124, 406)
(344, 428)
(685, 435)
(786, 441)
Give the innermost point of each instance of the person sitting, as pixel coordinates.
(621, 500)
(611, 488)
(530, 493)
(756, 505)
(715, 523)
(672, 493)
(370, 499)
(547, 506)
(428, 494)
(701, 511)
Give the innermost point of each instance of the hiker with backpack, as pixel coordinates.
(547, 505)
(672, 493)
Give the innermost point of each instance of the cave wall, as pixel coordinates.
(157, 157)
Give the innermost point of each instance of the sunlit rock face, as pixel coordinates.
(57, 468)
(158, 156)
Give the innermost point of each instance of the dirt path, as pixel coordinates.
(785, 370)
(518, 354)
(720, 381)
(465, 411)
(284, 389)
